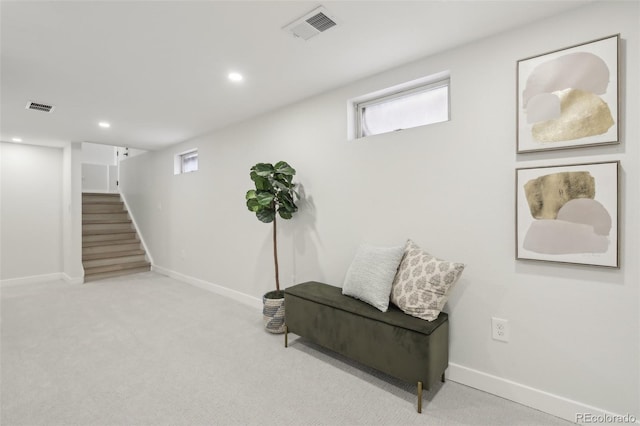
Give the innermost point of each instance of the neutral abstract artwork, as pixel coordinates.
(569, 97)
(568, 213)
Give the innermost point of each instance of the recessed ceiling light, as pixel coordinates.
(16, 139)
(235, 76)
(104, 124)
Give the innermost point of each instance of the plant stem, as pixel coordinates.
(275, 253)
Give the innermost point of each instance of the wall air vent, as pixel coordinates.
(313, 23)
(39, 106)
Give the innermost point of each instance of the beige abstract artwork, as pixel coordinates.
(569, 97)
(568, 213)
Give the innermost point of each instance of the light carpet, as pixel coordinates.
(149, 350)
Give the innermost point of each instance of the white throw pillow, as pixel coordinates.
(422, 285)
(371, 274)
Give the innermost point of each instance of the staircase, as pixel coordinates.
(110, 244)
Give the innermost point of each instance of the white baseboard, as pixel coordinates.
(72, 280)
(556, 405)
(254, 302)
(33, 279)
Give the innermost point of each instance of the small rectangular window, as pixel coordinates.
(186, 162)
(398, 109)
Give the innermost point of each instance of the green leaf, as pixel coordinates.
(286, 207)
(290, 209)
(253, 205)
(262, 184)
(251, 194)
(285, 214)
(285, 197)
(280, 185)
(263, 169)
(283, 168)
(285, 179)
(266, 215)
(265, 198)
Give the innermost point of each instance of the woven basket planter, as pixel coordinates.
(273, 312)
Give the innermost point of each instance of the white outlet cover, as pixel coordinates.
(500, 329)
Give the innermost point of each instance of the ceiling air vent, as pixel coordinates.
(38, 106)
(311, 24)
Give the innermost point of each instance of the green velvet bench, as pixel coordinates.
(402, 346)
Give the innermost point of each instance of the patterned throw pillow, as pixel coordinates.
(371, 273)
(421, 286)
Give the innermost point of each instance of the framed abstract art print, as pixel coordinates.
(568, 213)
(569, 98)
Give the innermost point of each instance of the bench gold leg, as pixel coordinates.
(286, 337)
(419, 397)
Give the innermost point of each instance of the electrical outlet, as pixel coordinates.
(500, 329)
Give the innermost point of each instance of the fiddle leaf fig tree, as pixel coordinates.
(273, 196)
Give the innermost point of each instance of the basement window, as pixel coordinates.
(418, 103)
(186, 162)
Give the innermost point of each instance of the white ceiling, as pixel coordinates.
(156, 70)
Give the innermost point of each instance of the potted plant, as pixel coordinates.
(273, 196)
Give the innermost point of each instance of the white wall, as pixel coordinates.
(130, 152)
(99, 168)
(94, 153)
(72, 213)
(574, 329)
(31, 219)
